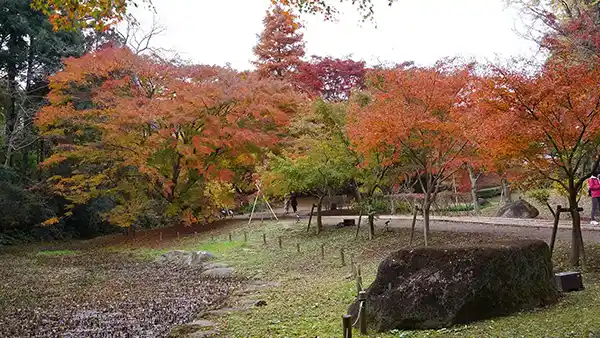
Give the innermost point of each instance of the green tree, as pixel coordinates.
(30, 51)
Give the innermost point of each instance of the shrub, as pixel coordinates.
(489, 192)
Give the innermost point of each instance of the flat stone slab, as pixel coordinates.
(218, 273)
(202, 323)
(184, 258)
(209, 266)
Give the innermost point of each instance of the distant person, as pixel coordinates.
(294, 201)
(594, 184)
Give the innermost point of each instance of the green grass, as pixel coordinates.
(313, 294)
(53, 253)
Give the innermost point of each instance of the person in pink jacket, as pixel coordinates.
(594, 184)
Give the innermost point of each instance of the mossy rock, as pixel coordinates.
(437, 287)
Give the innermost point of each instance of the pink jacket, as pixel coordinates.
(594, 184)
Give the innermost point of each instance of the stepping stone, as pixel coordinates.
(202, 323)
(218, 273)
(210, 266)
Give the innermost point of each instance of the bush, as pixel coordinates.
(539, 195)
(22, 214)
(489, 192)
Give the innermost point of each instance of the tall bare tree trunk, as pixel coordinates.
(577, 249)
(473, 179)
(371, 225)
(319, 215)
(505, 191)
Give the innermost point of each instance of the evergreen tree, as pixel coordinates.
(280, 46)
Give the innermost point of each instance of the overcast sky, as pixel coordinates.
(221, 31)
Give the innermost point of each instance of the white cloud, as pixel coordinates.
(221, 31)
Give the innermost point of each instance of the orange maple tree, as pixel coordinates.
(140, 129)
(416, 119)
(81, 14)
(280, 46)
(549, 124)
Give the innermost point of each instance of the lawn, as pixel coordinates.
(313, 293)
(310, 296)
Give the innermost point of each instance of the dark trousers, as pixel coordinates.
(295, 207)
(595, 207)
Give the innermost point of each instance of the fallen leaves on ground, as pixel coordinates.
(100, 294)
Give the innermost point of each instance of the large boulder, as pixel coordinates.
(432, 288)
(518, 209)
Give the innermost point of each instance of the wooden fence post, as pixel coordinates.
(347, 325)
(362, 312)
(359, 287)
(342, 257)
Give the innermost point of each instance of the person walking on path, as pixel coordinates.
(594, 184)
(294, 202)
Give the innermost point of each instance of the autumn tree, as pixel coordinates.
(139, 129)
(102, 14)
(332, 79)
(549, 124)
(416, 115)
(280, 46)
(80, 14)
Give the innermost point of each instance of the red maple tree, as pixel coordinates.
(416, 120)
(547, 123)
(332, 79)
(280, 46)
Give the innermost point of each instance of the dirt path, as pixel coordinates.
(538, 232)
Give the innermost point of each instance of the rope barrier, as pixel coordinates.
(360, 307)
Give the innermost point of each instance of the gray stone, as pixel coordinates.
(184, 258)
(202, 323)
(218, 273)
(518, 209)
(200, 257)
(438, 287)
(210, 266)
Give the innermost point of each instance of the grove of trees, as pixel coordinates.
(100, 135)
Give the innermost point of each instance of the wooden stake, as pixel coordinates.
(323, 251)
(342, 257)
(298, 247)
(265, 239)
(347, 325)
(279, 240)
(362, 319)
(245, 236)
(230, 236)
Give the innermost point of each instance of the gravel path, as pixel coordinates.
(539, 231)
